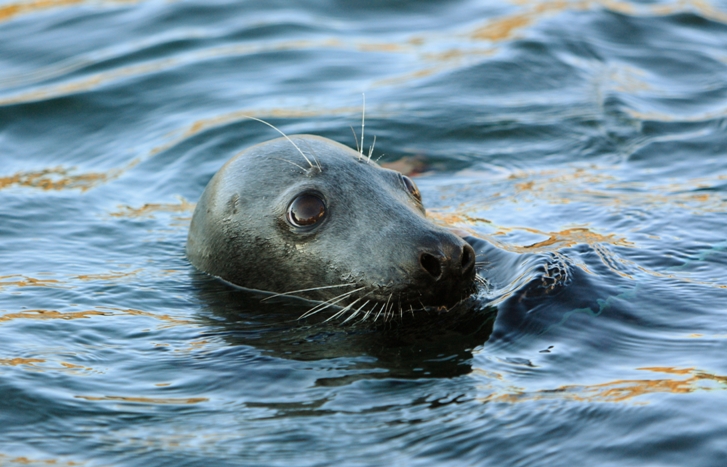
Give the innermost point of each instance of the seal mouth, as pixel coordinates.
(363, 304)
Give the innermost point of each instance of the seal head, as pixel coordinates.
(339, 229)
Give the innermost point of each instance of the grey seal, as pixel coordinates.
(307, 216)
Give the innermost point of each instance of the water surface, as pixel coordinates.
(581, 144)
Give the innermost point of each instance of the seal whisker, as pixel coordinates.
(371, 149)
(315, 156)
(482, 281)
(322, 306)
(281, 132)
(355, 138)
(344, 310)
(385, 307)
(377, 314)
(355, 313)
(390, 313)
(290, 162)
(308, 290)
(388, 300)
(363, 118)
(361, 308)
(366, 315)
(371, 310)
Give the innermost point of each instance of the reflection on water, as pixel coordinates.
(56, 178)
(144, 400)
(578, 145)
(625, 390)
(24, 281)
(148, 209)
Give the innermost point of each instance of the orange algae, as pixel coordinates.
(619, 390)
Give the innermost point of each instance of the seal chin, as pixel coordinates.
(421, 299)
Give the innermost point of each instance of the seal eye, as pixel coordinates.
(411, 187)
(306, 210)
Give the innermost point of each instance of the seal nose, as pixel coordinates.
(461, 263)
(432, 264)
(467, 259)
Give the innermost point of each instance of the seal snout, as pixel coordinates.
(439, 265)
(446, 266)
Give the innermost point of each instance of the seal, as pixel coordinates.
(306, 216)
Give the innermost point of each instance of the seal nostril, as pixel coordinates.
(468, 259)
(431, 264)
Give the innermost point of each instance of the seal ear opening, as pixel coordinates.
(411, 187)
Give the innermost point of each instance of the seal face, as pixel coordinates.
(331, 225)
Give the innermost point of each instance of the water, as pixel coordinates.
(582, 146)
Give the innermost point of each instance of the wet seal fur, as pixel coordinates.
(358, 241)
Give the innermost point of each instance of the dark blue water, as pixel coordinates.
(581, 145)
